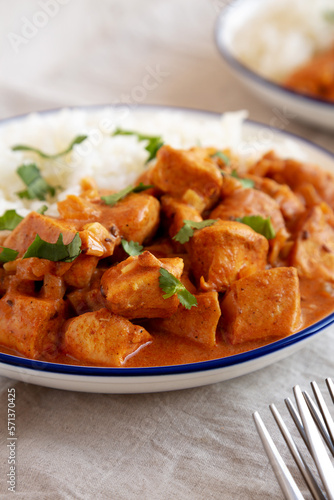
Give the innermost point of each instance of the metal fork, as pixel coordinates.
(316, 427)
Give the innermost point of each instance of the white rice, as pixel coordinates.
(114, 162)
(281, 35)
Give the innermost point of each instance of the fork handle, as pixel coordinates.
(284, 478)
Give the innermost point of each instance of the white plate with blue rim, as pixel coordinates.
(255, 138)
(230, 25)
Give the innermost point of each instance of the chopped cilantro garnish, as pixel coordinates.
(9, 220)
(56, 252)
(259, 224)
(37, 187)
(222, 156)
(77, 140)
(42, 209)
(246, 183)
(132, 247)
(112, 199)
(187, 231)
(154, 142)
(171, 286)
(7, 254)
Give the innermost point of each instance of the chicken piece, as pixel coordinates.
(186, 281)
(86, 300)
(230, 184)
(131, 288)
(266, 165)
(78, 208)
(289, 203)
(225, 252)
(243, 202)
(137, 217)
(4, 282)
(177, 171)
(194, 200)
(35, 269)
(296, 175)
(47, 228)
(89, 298)
(14, 284)
(53, 287)
(89, 189)
(97, 241)
(161, 248)
(198, 323)
(30, 325)
(263, 305)
(102, 338)
(81, 272)
(176, 212)
(146, 178)
(313, 250)
(3, 236)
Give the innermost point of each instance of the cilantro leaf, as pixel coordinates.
(154, 142)
(246, 183)
(132, 247)
(42, 209)
(37, 187)
(56, 252)
(259, 224)
(222, 156)
(77, 140)
(112, 199)
(142, 187)
(7, 255)
(171, 286)
(187, 231)
(9, 220)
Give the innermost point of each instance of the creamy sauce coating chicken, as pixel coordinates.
(108, 308)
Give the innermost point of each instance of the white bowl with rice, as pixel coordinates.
(264, 41)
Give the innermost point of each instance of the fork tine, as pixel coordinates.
(330, 386)
(296, 418)
(298, 457)
(325, 413)
(284, 478)
(319, 453)
(317, 416)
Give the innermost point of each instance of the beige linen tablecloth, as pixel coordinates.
(193, 444)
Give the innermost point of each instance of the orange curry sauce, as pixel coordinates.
(107, 309)
(315, 78)
(169, 349)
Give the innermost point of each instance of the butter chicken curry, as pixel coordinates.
(199, 260)
(315, 78)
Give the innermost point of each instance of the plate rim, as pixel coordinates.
(197, 367)
(188, 368)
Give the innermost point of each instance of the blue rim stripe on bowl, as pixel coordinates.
(43, 366)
